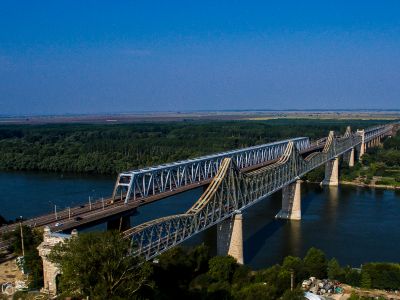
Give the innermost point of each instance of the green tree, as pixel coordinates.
(383, 275)
(365, 280)
(177, 268)
(199, 257)
(315, 263)
(334, 270)
(275, 276)
(200, 284)
(220, 290)
(262, 291)
(352, 277)
(99, 265)
(295, 264)
(296, 294)
(222, 268)
(242, 276)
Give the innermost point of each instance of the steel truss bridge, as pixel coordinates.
(167, 177)
(231, 189)
(236, 179)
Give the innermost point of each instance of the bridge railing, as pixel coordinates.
(373, 132)
(158, 179)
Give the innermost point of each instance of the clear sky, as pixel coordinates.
(123, 56)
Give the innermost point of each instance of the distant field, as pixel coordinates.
(201, 116)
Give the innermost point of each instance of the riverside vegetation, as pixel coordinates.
(107, 149)
(379, 166)
(98, 265)
(380, 163)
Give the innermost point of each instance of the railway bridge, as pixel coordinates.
(233, 189)
(232, 181)
(137, 188)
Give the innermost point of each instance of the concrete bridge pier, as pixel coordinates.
(331, 172)
(378, 141)
(362, 145)
(230, 237)
(362, 150)
(371, 144)
(120, 224)
(291, 202)
(351, 158)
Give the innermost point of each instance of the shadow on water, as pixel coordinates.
(308, 191)
(256, 241)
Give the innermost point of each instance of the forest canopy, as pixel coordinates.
(111, 148)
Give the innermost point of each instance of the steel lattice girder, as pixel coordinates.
(231, 190)
(373, 132)
(167, 177)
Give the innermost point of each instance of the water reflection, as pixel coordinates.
(294, 237)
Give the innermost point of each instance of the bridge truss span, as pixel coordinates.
(260, 166)
(159, 179)
(372, 132)
(232, 190)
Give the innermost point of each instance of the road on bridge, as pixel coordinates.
(102, 209)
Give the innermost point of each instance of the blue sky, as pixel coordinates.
(61, 57)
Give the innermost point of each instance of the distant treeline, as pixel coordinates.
(108, 149)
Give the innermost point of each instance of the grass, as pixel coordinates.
(387, 181)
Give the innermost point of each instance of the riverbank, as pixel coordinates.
(370, 185)
(362, 184)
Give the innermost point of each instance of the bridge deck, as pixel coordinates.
(86, 214)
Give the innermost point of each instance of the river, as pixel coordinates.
(353, 224)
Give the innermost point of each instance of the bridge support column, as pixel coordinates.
(351, 158)
(362, 150)
(291, 202)
(230, 237)
(362, 145)
(331, 172)
(121, 224)
(379, 142)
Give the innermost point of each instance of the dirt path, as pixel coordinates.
(9, 272)
(368, 293)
